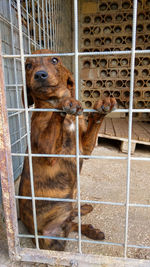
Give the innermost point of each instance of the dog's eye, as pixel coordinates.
(28, 66)
(54, 60)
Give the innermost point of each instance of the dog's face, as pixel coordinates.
(47, 78)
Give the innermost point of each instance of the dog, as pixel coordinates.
(51, 85)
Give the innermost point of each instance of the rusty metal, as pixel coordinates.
(82, 260)
(6, 172)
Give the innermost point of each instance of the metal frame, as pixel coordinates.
(53, 257)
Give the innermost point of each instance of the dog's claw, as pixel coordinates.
(114, 108)
(72, 107)
(106, 109)
(105, 106)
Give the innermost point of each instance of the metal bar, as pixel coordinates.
(7, 173)
(73, 239)
(84, 110)
(77, 121)
(86, 201)
(15, 114)
(39, 20)
(43, 15)
(13, 85)
(27, 121)
(75, 259)
(15, 77)
(86, 53)
(50, 25)
(81, 156)
(55, 25)
(34, 29)
(130, 123)
(53, 33)
(28, 27)
(47, 24)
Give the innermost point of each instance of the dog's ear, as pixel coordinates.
(71, 84)
(29, 97)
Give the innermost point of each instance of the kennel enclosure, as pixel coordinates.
(106, 45)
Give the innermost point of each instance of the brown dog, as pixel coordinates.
(50, 85)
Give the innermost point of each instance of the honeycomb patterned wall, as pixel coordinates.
(107, 26)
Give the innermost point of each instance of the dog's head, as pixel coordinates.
(47, 78)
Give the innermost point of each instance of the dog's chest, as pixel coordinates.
(69, 133)
(69, 125)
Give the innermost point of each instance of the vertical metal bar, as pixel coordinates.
(77, 121)
(39, 22)
(56, 14)
(130, 123)
(28, 26)
(59, 23)
(43, 23)
(34, 28)
(52, 15)
(55, 21)
(50, 26)
(7, 179)
(47, 25)
(15, 76)
(27, 122)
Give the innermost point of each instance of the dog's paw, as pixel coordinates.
(94, 233)
(106, 105)
(72, 106)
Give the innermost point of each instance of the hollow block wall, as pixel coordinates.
(107, 26)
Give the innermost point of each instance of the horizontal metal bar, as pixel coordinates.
(128, 52)
(71, 200)
(140, 158)
(47, 198)
(14, 85)
(71, 239)
(68, 156)
(82, 240)
(85, 201)
(47, 237)
(81, 54)
(39, 55)
(80, 156)
(84, 110)
(136, 246)
(139, 205)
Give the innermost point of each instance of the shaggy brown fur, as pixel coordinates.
(51, 85)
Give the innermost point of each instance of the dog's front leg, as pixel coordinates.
(52, 134)
(103, 107)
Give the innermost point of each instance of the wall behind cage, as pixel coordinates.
(45, 24)
(107, 26)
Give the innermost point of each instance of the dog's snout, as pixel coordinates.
(41, 75)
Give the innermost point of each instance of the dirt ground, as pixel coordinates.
(105, 180)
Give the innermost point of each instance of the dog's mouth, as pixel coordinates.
(44, 87)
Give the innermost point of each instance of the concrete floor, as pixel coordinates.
(107, 182)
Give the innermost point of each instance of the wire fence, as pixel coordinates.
(48, 36)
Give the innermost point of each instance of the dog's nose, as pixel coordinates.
(41, 75)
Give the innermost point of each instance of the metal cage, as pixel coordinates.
(18, 40)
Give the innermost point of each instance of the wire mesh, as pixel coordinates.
(46, 33)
